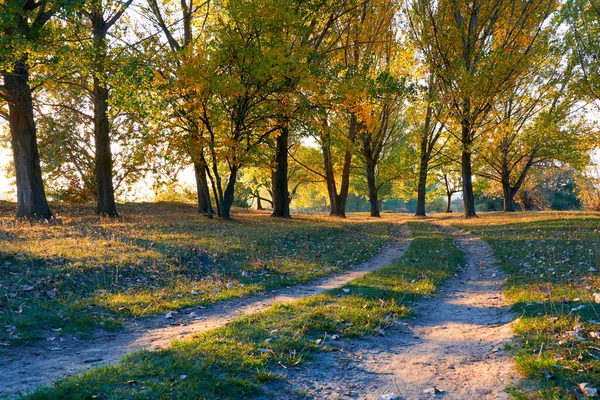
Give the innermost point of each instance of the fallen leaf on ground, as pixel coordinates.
(588, 390)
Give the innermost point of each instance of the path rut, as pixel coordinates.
(455, 344)
(25, 368)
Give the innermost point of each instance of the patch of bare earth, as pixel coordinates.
(453, 349)
(25, 368)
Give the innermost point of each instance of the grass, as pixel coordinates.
(553, 260)
(88, 272)
(236, 361)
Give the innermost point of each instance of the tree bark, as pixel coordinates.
(509, 197)
(281, 194)
(449, 204)
(425, 157)
(31, 197)
(370, 163)
(204, 206)
(258, 202)
(105, 199)
(228, 195)
(422, 186)
(373, 200)
(467, 172)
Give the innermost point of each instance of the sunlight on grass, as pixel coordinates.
(90, 272)
(235, 361)
(553, 260)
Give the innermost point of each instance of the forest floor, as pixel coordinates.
(453, 348)
(327, 308)
(51, 363)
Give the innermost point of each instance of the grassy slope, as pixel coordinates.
(233, 362)
(89, 272)
(548, 257)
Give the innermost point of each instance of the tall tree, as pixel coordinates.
(429, 134)
(476, 49)
(24, 27)
(102, 16)
(193, 20)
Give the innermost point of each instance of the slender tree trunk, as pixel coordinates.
(449, 204)
(373, 200)
(467, 173)
(370, 163)
(424, 162)
(281, 195)
(228, 195)
(31, 197)
(204, 206)
(105, 199)
(422, 186)
(329, 176)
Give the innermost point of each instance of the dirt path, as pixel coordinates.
(25, 368)
(454, 344)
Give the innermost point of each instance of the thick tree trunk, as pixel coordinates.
(509, 198)
(467, 173)
(105, 199)
(228, 195)
(281, 195)
(204, 206)
(31, 197)
(507, 190)
(258, 201)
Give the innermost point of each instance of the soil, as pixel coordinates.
(24, 368)
(452, 349)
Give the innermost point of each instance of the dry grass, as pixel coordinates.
(553, 262)
(86, 271)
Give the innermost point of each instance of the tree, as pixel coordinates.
(186, 133)
(429, 134)
(25, 28)
(102, 17)
(476, 49)
(537, 122)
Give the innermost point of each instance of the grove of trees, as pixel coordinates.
(279, 100)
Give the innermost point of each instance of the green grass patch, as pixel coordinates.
(89, 272)
(235, 361)
(554, 265)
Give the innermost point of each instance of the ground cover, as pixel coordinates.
(553, 263)
(86, 272)
(235, 361)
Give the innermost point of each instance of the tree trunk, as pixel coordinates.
(422, 187)
(373, 200)
(31, 197)
(509, 198)
(258, 201)
(329, 176)
(228, 195)
(424, 162)
(281, 195)
(467, 173)
(105, 199)
(449, 205)
(204, 206)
